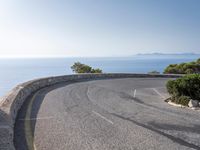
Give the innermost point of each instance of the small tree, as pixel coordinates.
(78, 67)
(96, 70)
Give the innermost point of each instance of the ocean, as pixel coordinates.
(19, 70)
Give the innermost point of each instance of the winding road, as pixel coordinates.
(109, 114)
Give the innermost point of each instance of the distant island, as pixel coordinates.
(166, 54)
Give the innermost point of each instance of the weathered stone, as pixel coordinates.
(6, 136)
(193, 103)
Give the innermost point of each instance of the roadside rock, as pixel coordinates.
(193, 103)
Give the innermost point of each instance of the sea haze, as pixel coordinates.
(18, 70)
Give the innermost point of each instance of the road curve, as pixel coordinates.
(114, 114)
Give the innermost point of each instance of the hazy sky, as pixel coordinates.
(98, 27)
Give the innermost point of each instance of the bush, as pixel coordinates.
(187, 86)
(184, 68)
(78, 67)
(198, 61)
(183, 100)
(172, 87)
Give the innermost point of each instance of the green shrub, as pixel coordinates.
(184, 68)
(198, 61)
(78, 67)
(172, 87)
(183, 100)
(188, 86)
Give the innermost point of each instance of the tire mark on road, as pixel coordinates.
(174, 139)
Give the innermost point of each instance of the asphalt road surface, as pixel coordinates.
(114, 114)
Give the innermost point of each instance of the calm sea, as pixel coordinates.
(18, 70)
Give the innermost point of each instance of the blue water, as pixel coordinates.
(15, 71)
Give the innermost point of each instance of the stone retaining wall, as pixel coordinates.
(12, 101)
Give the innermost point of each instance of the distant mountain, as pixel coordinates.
(166, 54)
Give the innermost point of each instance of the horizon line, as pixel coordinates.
(61, 56)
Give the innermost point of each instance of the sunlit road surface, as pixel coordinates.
(115, 114)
